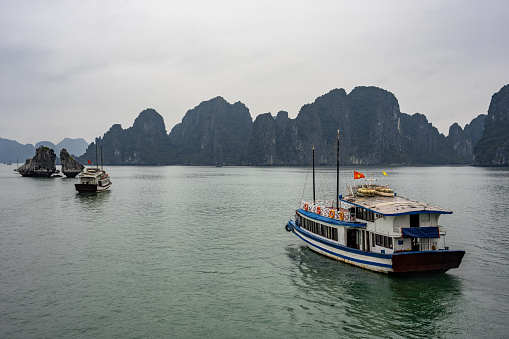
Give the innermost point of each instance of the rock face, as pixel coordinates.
(213, 133)
(267, 144)
(464, 140)
(41, 165)
(70, 167)
(145, 143)
(423, 144)
(493, 147)
(372, 129)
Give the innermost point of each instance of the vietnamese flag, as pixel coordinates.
(89, 161)
(358, 175)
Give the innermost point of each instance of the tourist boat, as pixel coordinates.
(93, 179)
(374, 228)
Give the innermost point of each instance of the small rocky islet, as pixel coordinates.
(43, 164)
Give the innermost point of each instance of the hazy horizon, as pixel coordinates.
(73, 69)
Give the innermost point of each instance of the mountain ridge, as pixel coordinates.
(373, 131)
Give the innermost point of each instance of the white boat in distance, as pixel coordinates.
(376, 229)
(93, 179)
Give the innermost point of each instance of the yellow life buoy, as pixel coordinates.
(332, 214)
(341, 216)
(318, 210)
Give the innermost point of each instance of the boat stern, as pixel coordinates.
(428, 261)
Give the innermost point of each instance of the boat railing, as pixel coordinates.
(326, 209)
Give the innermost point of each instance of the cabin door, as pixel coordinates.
(351, 238)
(415, 244)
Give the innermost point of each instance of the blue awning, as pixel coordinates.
(420, 232)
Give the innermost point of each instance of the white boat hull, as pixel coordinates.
(367, 260)
(408, 262)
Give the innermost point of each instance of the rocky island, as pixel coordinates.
(41, 165)
(70, 167)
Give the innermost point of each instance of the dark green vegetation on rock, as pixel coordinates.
(145, 143)
(213, 133)
(373, 131)
(70, 167)
(41, 165)
(493, 147)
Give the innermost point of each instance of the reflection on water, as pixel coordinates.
(92, 198)
(356, 301)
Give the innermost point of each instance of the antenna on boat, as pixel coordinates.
(314, 175)
(337, 178)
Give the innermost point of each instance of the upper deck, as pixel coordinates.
(393, 206)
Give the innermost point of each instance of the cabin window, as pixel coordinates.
(382, 241)
(425, 217)
(319, 229)
(414, 220)
(362, 213)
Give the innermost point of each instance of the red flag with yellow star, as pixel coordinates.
(358, 175)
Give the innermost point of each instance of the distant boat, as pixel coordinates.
(93, 179)
(9, 163)
(376, 229)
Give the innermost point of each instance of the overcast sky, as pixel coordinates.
(74, 68)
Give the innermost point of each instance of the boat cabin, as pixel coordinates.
(379, 224)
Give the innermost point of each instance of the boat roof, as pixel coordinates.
(91, 172)
(393, 206)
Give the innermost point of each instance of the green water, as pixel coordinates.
(201, 252)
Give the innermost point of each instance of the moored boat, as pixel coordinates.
(93, 179)
(374, 228)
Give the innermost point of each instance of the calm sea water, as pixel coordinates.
(201, 252)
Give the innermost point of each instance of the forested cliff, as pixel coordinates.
(372, 129)
(493, 147)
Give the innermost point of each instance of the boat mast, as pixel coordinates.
(337, 178)
(102, 159)
(313, 174)
(96, 162)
